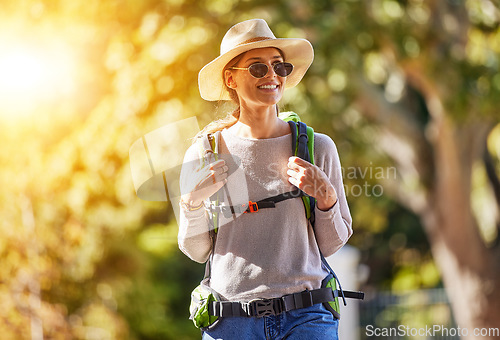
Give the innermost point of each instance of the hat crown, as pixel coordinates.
(245, 32)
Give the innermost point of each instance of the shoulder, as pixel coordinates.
(195, 149)
(323, 143)
(325, 152)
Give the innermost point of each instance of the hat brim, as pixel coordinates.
(298, 52)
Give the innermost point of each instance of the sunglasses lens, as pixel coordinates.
(283, 69)
(258, 70)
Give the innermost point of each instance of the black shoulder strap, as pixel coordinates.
(293, 127)
(302, 139)
(300, 149)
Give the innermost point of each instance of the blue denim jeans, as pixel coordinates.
(312, 323)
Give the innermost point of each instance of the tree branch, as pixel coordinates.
(374, 105)
(402, 138)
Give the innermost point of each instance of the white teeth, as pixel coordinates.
(268, 87)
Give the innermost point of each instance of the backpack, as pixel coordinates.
(303, 147)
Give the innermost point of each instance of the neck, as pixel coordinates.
(259, 123)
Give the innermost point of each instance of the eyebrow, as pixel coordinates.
(259, 58)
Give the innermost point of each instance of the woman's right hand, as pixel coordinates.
(204, 182)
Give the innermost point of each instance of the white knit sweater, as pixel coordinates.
(274, 251)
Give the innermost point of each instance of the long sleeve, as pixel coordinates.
(193, 237)
(334, 226)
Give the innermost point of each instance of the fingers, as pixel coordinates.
(217, 164)
(296, 178)
(298, 175)
(220, 170)
(313, 181)
(294, 182)
(296, 162)
(219, 175)
(298, 168)
(205, 181)
(303, 175)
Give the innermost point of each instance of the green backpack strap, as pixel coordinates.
(303, 147)
(290, 116)
(208, 146)
(298, 147)
(208, 150)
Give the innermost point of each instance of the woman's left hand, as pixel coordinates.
(313, 181)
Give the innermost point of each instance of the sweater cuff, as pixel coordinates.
(333, 215)
(327, 213)
(193, 214)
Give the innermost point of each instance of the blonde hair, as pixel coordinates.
(232, 117)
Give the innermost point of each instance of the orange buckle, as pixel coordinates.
(252, 207)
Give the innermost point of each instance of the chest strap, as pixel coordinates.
(251, 207)
(276, 306)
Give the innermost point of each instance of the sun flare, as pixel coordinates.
(30, 76)
(21, 72)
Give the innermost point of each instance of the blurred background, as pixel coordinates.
(409, 90)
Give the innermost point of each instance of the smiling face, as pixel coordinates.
(257, 92)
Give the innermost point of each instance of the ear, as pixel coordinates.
(229, 79)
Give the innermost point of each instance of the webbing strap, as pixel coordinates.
(301, 140)
(293, 128)
(251, 207)
(285, 196)
(276, 306)
(209, 146)
(353, 295)
(302, 150)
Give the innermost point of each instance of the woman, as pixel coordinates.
(273, 252)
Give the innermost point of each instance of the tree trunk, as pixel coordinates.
(443, 156)
(469, 269)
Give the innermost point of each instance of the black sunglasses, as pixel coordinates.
(259, 70)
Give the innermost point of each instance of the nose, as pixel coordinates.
(270, 71)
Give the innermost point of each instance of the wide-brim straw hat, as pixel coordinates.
(249, 35)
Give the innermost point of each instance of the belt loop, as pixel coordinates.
(246, 308)
(236, 309)
(288, 302)
(297, 298)
(220, 310)
(226, 308)
(212, 308)
(307, 300)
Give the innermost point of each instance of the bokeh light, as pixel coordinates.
(32, 75)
